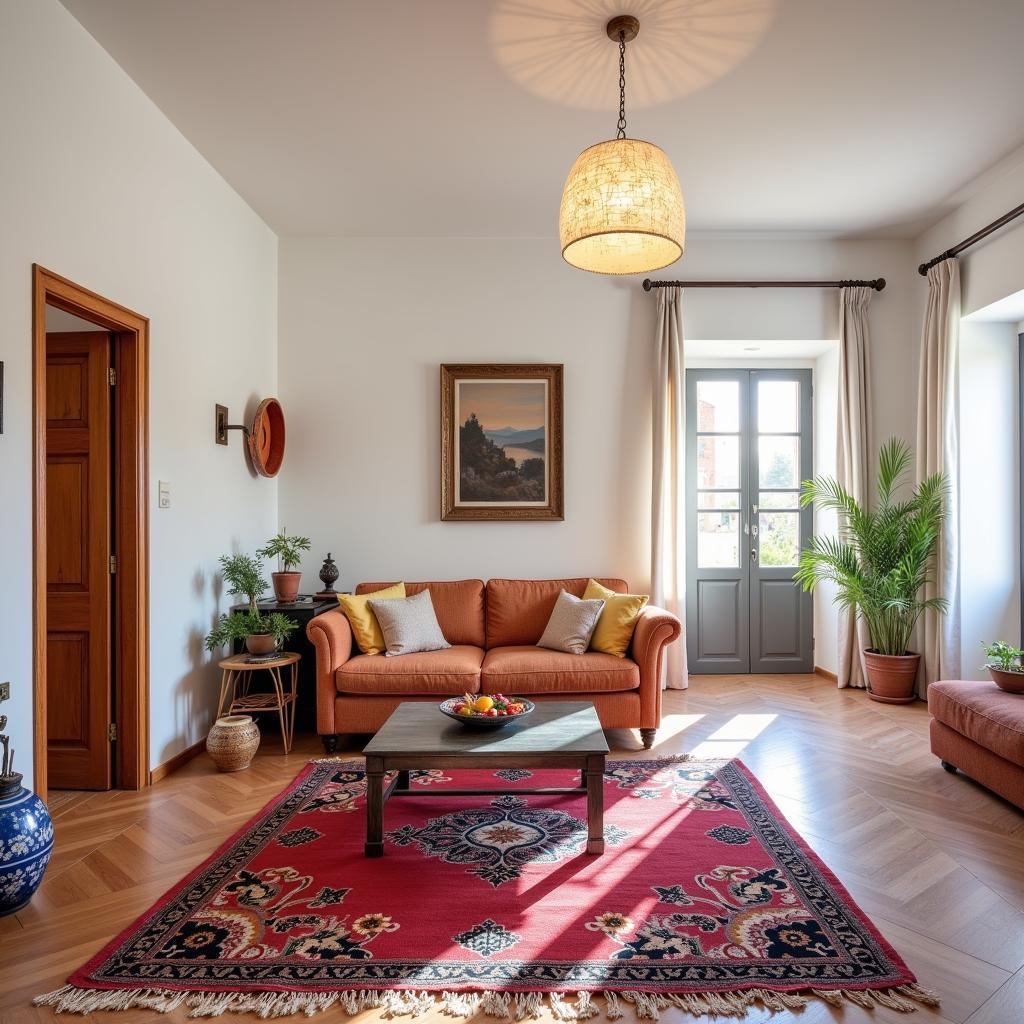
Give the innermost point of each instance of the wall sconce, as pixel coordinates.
(264, 439)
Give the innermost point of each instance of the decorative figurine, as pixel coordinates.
(328, 575)
(26, 834)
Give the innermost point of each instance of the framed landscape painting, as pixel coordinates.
(501, 441)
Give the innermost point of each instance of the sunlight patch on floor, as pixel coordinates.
(733, 737)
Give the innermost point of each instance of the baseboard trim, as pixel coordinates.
(825, 674)
(182, 758)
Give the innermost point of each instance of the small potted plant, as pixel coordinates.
(262, 634)
(880, 563)
(1005, 666)
(288, 550)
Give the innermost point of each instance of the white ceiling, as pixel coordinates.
(462, 117)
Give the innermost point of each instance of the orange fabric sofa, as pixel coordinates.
(493, 630)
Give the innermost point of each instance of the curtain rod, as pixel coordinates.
(968, 242)
(877, 284)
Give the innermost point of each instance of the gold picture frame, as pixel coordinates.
(501, 442)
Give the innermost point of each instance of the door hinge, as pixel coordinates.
(113, 564)
(112, 732)
(111, 376)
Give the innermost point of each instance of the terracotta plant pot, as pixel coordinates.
(232, 742)
(1011, 682)
(260, 643)
(286, 586)
(891, 676)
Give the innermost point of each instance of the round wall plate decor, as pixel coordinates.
(266, 438)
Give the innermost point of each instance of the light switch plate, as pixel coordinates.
(164, 494)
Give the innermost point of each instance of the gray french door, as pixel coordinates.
(748, 447)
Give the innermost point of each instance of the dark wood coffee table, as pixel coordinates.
(558, 734)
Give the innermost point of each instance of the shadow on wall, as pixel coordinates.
(558, 49)
(196, 692)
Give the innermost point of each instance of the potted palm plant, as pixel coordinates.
(288, 550)
(262, 633)
(880, 563)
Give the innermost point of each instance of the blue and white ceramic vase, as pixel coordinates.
(26, 842)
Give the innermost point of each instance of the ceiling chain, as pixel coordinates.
(622, 86)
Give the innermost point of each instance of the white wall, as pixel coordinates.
(990, 495)
(364, 325)
(140, 217)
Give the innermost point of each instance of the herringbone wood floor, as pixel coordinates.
(936, 861)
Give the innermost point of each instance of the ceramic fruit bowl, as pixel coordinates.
(486, 710)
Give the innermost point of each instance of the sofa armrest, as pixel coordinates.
(331, 636)
(655, 630)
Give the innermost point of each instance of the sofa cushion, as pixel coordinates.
(450, 672)
(982, 712)
(518, 610)
(458, 604)
(523, 670)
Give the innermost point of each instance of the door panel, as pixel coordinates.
(748, 450)
(717, 623)
(78, 584)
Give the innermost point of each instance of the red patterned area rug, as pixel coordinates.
(705, 899)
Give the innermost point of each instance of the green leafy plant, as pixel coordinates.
(1006, 658)
(882, 558)
(244, 576)
(230, 628)
(287, 549)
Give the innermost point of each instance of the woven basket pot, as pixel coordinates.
(232, 742)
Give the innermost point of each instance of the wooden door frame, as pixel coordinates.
(130, 614)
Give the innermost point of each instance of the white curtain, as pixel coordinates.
(938, 450)
(668, 524)
(854, 453)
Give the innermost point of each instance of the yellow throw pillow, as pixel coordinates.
(365, 627)
(614, 628)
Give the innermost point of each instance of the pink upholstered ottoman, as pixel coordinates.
(979, 729)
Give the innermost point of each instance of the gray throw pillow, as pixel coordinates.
(572, 622)
(409, 624)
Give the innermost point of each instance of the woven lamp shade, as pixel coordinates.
(622, 209)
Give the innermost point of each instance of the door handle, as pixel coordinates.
(753, 554)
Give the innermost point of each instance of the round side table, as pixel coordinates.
(237, 696)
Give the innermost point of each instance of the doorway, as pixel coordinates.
(90, 588)
(749, 437)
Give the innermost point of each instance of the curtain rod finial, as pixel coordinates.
(647, 284)
(880, 284)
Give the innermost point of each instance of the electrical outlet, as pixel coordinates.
(164, 494)
(5, 691)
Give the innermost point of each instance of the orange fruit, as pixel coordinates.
(483, 704)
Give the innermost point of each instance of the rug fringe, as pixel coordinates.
(509, 1006)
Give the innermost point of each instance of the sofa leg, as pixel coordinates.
(330, 743)
(647, 736)
(951, 768)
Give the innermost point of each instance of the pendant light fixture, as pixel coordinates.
(622, 208)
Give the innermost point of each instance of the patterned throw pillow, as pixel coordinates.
(409, 624)
(571, 624)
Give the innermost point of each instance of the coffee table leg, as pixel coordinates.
(374, 807)
(595, 805)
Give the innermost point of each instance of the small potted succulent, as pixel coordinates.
(1005, 666)
(262, 633)
(288, 550)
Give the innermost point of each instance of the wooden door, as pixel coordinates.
(78, 569)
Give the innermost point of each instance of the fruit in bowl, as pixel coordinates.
(483, 710)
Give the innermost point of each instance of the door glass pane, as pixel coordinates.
(718, 540)
(718, 406)
(718, 462)
(779, 499)
(718, 499)
(778, 461)
(778, 406)
(778, 538)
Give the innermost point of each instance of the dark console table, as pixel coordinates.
(300, 611)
